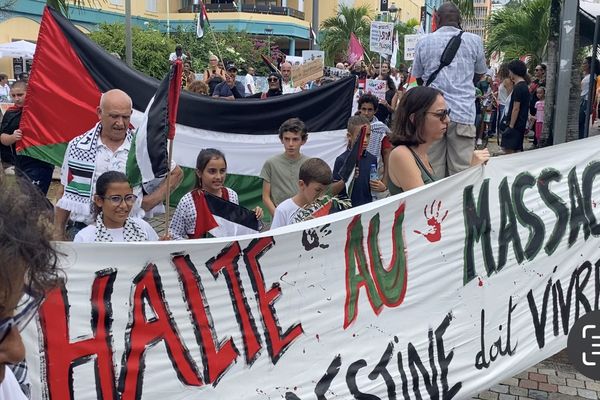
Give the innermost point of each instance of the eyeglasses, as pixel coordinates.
(273, 79)
(27, 308)
(117, 199)
(442, 115)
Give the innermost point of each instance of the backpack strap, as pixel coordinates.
(447, 56)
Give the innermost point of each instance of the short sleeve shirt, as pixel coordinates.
(456, 80)
(285, 214)
(520, 94)
(282, 173)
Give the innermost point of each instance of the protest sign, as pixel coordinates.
(377, 88)
(294, 60)
(309, 71)
(336, 72)
(440, 292)
(410, 42)
(310, 55)
(382, 37)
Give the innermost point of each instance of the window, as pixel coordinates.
(151, 5)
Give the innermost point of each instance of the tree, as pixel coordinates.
(404, 28)
(336, 31)
(151, 48)
(62, 6)
(520, 30)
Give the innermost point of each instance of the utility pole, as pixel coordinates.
(128, 45)
(315, 21)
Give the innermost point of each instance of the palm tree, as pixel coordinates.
(404, 28)
(336, 31)
(520, 30)
(62, 6)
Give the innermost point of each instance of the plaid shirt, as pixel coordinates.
(455, 80)
(20, 372)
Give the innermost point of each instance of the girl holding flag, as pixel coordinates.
(211, 209)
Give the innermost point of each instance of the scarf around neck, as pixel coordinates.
(132, 232)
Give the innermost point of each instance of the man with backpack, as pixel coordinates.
(452, 60)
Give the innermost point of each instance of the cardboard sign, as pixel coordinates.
(309, 71)
(310, 55)
(382, 37)
(377, 88)
(410, 42)
(449, 288)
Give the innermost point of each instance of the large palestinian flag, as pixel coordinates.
(70, 72)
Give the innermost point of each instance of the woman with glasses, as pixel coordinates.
(29, 268)
(421, 118)
(113, 201)
(275, 87)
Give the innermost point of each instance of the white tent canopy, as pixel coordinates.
(17, 49)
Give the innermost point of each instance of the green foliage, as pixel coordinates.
(520, 29)
(336, 32)
(233, 47)
(404, 28)
(151, 48)
(62, 6)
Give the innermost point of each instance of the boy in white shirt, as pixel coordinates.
(314, 177)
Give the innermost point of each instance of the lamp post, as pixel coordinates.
(269, 31)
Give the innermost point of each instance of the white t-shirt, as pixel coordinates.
(289, 89)
(284, 213)
(249, 82)
(173, 57)
(88, 234)
(9, 388)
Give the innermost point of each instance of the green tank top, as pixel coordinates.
(427, 176)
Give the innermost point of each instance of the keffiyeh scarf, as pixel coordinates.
(132, 232)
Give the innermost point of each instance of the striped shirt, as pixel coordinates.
(456, 80)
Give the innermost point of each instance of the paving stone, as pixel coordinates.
(547, 371)
(507, 397)
(487, 395)
(595, 385)
(518, 391)
(566, 375)
(510, 382)
(538, 377)
(548, 387)
(527, 384)
(575, 383)
(582, 377)
(567, 390)
(588, 394)
(555, 380)
(499, 389)
(525, 398)
(538, 395)
(525, 375)
(561, 396)
(532, 369)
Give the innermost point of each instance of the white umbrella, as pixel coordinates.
(20, 48)
(17, 49)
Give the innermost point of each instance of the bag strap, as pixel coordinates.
(420, 164)
(447, 56)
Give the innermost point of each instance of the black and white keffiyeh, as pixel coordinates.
(132, 232)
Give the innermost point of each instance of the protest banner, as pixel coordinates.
(410, 42)
(382, 37)
(336, 72)
(377, 88)
(311, 55)
(309, 71)
(439, 292)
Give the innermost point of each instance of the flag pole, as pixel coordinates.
(168, 196)
(217, 46)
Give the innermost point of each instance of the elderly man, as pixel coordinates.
(103, 148)
(286, 75)
(453, 152)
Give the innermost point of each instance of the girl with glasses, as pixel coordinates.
(421, 118)
(113, 201)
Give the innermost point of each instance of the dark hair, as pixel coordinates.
(294, 125)
(104, 182)
(25, 241)
(543, 67)
(368, 98)
(203, 159)
(518, 68)
(3, 76)
(390, 83)
(315, 170)
(415, 102)
(357, 121)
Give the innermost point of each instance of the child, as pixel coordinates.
(361, 189)
(314, 177)
(539, 112)
(280, 172)
(211, 170)
(113, 201)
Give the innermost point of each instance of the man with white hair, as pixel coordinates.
(286, 75)
(105, 147)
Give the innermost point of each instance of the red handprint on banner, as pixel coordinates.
(434, 233)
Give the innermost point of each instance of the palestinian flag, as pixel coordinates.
(228, 217)
(202, 20)
(70, 72)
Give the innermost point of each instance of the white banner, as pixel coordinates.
(377, 88)
(439, 292)
(382, 37)
(410, 42)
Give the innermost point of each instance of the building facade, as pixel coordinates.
(478, 25)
